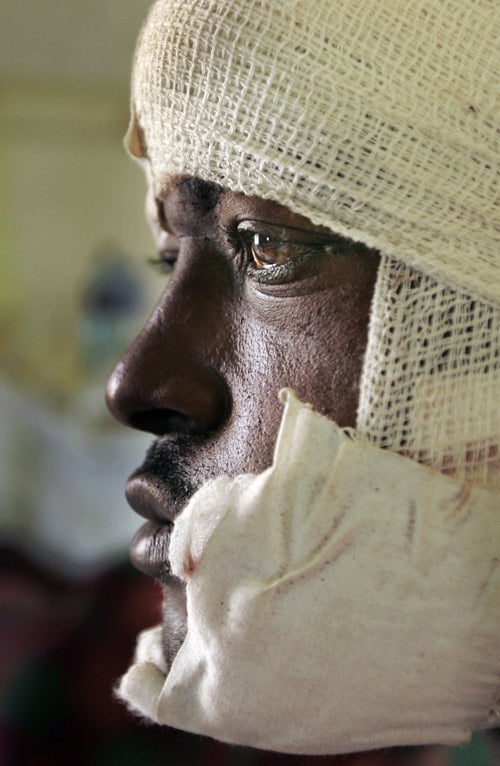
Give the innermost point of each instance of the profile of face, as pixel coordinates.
(259, 298)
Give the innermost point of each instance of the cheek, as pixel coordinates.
(331, 370)
(315, 344)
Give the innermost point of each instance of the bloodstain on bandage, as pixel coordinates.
(190, 564)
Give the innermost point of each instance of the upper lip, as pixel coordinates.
(148, 498)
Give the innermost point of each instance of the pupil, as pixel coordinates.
(261, 239)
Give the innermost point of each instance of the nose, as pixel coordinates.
(169, 379)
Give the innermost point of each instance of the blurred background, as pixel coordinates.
(74, 288)
(74, 284)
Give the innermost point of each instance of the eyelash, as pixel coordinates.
(296, 253)
(163, 262)
(242, 241)
(248, 237)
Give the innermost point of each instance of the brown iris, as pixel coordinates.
(269, 245)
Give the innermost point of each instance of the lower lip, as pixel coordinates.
(149, 550)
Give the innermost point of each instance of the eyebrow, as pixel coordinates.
(204, 194)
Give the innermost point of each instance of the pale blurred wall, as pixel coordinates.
(66, 187)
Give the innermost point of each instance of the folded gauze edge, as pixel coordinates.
(344, 599)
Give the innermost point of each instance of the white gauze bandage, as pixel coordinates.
(345, 599)
(380, 121)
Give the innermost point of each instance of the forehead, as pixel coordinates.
(187, 196)
(209, 100)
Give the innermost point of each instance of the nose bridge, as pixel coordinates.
(175, 363)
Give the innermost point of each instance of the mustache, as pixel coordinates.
(167, 459)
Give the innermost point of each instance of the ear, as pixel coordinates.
(134, 138)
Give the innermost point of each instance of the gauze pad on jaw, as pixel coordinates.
(345, 599)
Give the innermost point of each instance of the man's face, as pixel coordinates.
(259, 299)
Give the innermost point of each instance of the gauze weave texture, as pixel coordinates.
(379, 119)
(345, 599)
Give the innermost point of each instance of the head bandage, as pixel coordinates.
(379, 120)
(344, 599)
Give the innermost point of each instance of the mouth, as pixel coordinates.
(149, 550)
(149, 547)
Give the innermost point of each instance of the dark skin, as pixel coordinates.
(259, 298)
(222, 341)
(236, 322)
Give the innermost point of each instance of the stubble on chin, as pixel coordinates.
(174, 626)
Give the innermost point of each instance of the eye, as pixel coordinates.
(168, 253)
(270, 245)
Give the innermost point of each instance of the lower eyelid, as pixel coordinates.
(164, 267)
(301, 266)
(272, 274)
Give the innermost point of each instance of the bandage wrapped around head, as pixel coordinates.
(380, 121)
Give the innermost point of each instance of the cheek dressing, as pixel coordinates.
(345, 599)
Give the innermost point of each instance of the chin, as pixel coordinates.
(174, 619)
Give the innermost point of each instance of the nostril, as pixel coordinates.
(157, 394)
(161, 422)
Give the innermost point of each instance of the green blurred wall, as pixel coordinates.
(66, 185)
